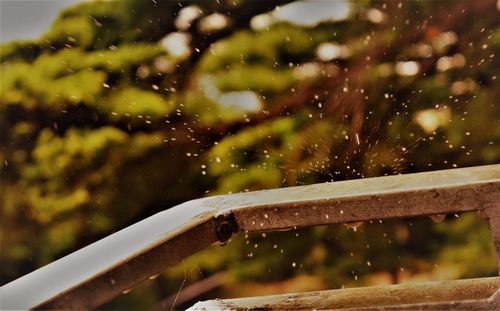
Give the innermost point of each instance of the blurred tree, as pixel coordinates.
(125, 108)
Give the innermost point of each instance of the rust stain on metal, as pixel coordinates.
(471, 294)
(225, 226)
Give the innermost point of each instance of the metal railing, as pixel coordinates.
(103, 270)
(470, 294)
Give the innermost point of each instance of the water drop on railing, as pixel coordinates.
(438, 217)
(127, 291)
(353, 225)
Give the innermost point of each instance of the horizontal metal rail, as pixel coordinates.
(470, 294)
(101, 271)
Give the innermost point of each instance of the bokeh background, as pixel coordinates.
(122, 109)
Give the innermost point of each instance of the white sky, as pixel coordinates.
(311, 12)
(28, 19)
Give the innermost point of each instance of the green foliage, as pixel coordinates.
(136, 102)
(77, 30)
(19, 50)
(52, 80)
(57, 186)
(477, 244)
(264, 79)
(124, 59)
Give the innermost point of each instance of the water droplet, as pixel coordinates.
(438, 217)
(353, 225)
(154, 276)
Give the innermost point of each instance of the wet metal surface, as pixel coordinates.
(471, 294)
(101, 271)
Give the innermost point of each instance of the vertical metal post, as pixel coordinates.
(493, 214)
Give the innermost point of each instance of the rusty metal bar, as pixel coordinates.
(493, 214)
(470, 294)
(95, 274)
